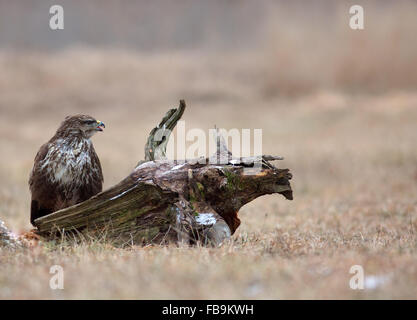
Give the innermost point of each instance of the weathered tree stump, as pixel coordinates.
(166, 200)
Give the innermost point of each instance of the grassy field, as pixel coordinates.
(344, 119)
(353, 158)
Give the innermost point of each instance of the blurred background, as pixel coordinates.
(339, 104)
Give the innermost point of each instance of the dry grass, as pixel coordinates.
(353, 159)
(310, 46)
(345, 122)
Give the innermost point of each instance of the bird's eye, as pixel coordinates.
(89, 122)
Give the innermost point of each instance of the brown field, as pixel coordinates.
(346, 123)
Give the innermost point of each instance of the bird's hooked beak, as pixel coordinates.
(100, 125)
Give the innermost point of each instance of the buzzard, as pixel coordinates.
(67, 169)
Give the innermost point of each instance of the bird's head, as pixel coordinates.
(85, 125)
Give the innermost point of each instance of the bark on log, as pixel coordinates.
(165, 200)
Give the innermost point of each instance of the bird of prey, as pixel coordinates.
(67, 169)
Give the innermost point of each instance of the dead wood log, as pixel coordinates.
(166, 200)
(7, 238)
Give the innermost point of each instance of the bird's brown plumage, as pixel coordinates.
(67, 169)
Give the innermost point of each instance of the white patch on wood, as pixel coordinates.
(145, 165)
(178, 166)
(205, 219)
(123, 193)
